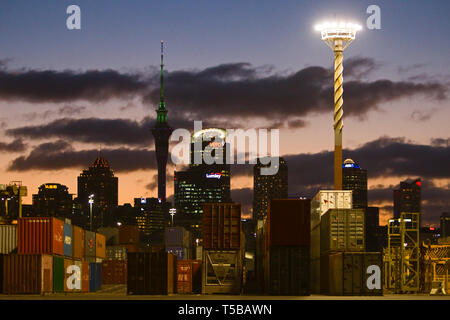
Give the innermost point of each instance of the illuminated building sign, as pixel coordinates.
(51, 186)
(217, 175)
(143, 200)
(350, 165)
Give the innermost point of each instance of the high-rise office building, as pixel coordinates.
(407, 198)
(355, 178)
(98, 180)
(52, 200)
(445, 224)
(202, 182)
(150, 219)
(11, 196)
(161, 131)
(267, 187)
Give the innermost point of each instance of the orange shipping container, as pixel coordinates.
(114, 272)
(221, 226)
(189, 276)
(41, 236)
(128, 235)
(27, 274)
(78, 242)
(100, 246)
(85, 274)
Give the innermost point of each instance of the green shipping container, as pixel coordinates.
(58, 274)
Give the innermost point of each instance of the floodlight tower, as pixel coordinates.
(338, 36)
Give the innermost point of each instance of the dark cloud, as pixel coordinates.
(60, 155)
(15, 146)
(64, 86)
(360, 67)
(154, 181)
(244, 196)
(418, 115)
(91, 130)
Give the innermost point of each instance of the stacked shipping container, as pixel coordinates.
(286, 253)
(222, 248)
(50, 252)
(178, 242)
(8, 239)
(189, 276)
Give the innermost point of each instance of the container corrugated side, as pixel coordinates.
(27, 274)
(1, 272)
(189, 276)
(128, 234)
(67, 274)
(41, 236)
(85, 276)
(221, 226)
(89, 244)
(58, 274)
(114, 272)
(289, 271)
(100, 246)
(8, 238)
(116, 253)
(78, 242)
(222, 271)
(68, 240)
(329, 199)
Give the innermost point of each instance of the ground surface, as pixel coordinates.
(118, 292)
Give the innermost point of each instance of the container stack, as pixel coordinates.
(52, 256)
(222, 248)
(178, 242)
(152, 273)
(320, 204)
(189, 276)
(129, 238)
(286, 258)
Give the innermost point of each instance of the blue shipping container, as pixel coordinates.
(95, 277)
(68, 240)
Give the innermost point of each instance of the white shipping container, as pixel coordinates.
(8, 238)
(329, 199)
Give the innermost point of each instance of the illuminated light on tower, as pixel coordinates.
(338, 36)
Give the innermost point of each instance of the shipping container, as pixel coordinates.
(128, 235)
(189, 276)
(41, 236)
(329, 199)
(289, 271)
(1, 272)
(85, 276)
(221, 271)
(89, 244)
(343, 230)
(68, 240)
(199, 252)
(177, 237)
(111, 235)
(78, 276)
(116, 253)
(315, 275)
(100, 246)
(68, 273)
(289, 223)
(8, 238)
(151, 273)
(221, 226)
(114, 272)
(353, 274)
(95, 276)
(27, 274)
(180, 253)
(78, 242)
(58, 274)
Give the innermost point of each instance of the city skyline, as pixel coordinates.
(55, 131)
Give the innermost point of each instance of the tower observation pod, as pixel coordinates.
(338, 36)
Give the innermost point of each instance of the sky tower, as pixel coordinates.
(338, 36)
(161, 131)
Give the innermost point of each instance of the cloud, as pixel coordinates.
(154, 183)
(418, 115)
(65, 86)
(60, 155)
(15, 146)
(244, 196)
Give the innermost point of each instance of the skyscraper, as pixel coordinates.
(161, 131)
(52, 200)
(267, 187)
(150, 219)
(98, 180)
(201, 182)
(407, 198)
(445, 224)
(354, 178)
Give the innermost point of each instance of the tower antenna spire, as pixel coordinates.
(161, 95)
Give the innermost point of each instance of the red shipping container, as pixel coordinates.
(114, 272)
(288, 222)
(128, 235)
(27, 274)
(85, 274)
(41, 236)
(221, 226)
(189, 276)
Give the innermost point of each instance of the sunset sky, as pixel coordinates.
(65, 94)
